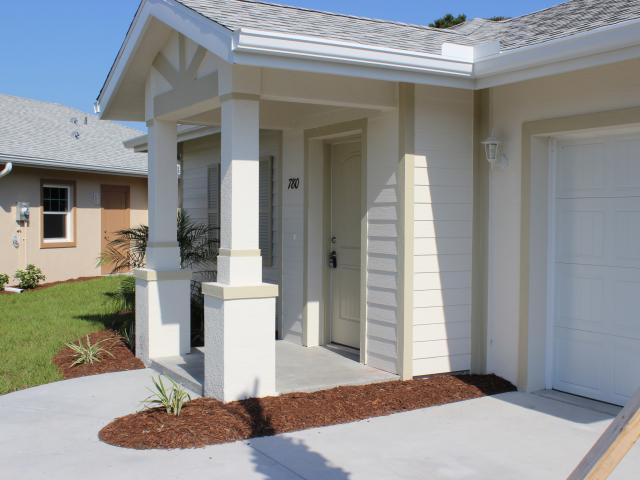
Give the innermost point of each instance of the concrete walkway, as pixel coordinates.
(49, 432)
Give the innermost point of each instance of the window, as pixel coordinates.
(57, 209)
(266, 206)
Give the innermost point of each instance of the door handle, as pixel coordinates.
(333, 259)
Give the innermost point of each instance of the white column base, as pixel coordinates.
(240, 345)
(163, 313)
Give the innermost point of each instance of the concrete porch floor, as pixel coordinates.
(298, 369)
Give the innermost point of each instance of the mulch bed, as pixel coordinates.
(123, 359)
(50, 284)
(206, 421)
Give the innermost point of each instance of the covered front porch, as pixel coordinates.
(298, 369)
(336, 134)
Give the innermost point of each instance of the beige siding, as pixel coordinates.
(443, 215)
(383, 236)
(23, 185)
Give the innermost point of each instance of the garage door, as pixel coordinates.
(597, 268)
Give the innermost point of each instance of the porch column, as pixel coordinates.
(239, 308)
(163, 325)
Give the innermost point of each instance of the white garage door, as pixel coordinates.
(597, 268)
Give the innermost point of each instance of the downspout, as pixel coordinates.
(6, 170)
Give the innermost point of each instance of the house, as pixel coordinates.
(72, 184)
(442, 200)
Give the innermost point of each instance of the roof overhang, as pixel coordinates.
(140, 143)
(459, 66)
(46, 163)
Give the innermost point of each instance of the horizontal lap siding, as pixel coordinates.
(443, 215)
(383, 225)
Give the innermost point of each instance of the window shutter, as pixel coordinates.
(213, 198)
(266, 221)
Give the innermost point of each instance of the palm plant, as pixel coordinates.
(197, 242)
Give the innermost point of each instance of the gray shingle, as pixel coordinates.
(561, 20)
(31, 130)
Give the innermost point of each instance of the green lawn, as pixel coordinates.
(35, 325)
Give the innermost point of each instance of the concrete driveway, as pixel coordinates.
(49, 432)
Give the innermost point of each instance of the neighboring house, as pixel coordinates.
(391, 232)
(72, 184)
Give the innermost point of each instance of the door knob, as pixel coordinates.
(333, 259)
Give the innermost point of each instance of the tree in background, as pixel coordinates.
(448, 21)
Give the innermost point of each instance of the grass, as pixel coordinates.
(35, 325)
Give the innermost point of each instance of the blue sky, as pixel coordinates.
(61, 50)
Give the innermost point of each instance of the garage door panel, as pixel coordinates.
(626, 369)
(578, 366)
(581, 170)
(580, 297)
(625, 304)
(581, 231)
(625, 162)
(625, 237)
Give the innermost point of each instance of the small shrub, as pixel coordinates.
(30, 277)
(4, 279)
(89, 353)
(172, 399)
(124, 300)
(128, 335)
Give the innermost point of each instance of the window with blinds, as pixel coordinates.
(265, 211)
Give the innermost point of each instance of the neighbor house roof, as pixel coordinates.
(51, 135)
(558, 21)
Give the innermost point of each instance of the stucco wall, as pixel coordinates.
(443, 214)
(595, 90)
(23, 185)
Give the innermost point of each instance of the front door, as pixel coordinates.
(115, 215)
(345, 242)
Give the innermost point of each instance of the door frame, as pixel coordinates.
(316, 322)
(102, 210)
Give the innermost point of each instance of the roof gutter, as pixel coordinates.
(610, 44)
(58, 165)
(8, 167)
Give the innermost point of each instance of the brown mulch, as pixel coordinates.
(123, 359)
(206, 421)
(51, 284)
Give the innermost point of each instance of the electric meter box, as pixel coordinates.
(23, 210)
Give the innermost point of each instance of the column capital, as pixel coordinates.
(239, 96)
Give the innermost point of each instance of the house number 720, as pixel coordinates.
(294, 183)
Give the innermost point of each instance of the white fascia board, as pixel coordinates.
(583, 50)
(74, 167)
(215, 38)
(281, 50)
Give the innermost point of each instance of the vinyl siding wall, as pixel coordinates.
(443, 216)
(383, 237)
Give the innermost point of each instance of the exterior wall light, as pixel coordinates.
(493, 151)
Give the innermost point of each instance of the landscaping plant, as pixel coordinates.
(171, 399)
(4, 279)
(89, 353)
(30, 277)
(124, 299)
(197, 242)
(128, 335)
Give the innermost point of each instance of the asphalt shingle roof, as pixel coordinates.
(561, 20)
(35, 132)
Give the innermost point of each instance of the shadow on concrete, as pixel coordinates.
(299, 459)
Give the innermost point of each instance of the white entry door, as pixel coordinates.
(597, 268)
(345, 232)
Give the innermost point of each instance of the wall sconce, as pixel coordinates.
(493, 151)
